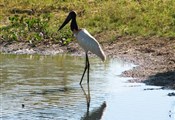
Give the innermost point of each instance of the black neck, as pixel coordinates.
(74, 25)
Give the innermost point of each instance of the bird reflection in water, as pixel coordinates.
(88, 97)
(95, 114)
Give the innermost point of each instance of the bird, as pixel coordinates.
(85, 40)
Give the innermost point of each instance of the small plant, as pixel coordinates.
(24, 27)
(14, 19)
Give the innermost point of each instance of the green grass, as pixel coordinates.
(25, 20)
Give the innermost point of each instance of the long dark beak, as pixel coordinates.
(65, 22)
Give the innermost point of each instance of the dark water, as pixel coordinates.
(37, 87)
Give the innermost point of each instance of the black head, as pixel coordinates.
(71, 16)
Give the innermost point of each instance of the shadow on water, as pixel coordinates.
(95, 114)
(166, 79)
(162, 79)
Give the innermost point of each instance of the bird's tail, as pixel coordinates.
(101, 54)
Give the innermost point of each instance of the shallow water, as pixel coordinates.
(37, 87)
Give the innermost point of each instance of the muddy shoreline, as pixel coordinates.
(155, 56)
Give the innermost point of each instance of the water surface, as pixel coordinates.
(35, 87)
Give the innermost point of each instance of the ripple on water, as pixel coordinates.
(47, 87)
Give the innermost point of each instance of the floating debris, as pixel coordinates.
(171, 94)
(23, 105)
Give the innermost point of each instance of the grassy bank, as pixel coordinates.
(36, 21)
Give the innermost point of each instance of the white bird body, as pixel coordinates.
(85, 40)
(89, 43)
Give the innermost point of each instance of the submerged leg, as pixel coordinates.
(86, 66)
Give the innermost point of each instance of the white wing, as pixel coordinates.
(89, 43)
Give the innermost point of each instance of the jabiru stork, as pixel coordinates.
(85, 40)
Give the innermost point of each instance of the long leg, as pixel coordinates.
(86, 66)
